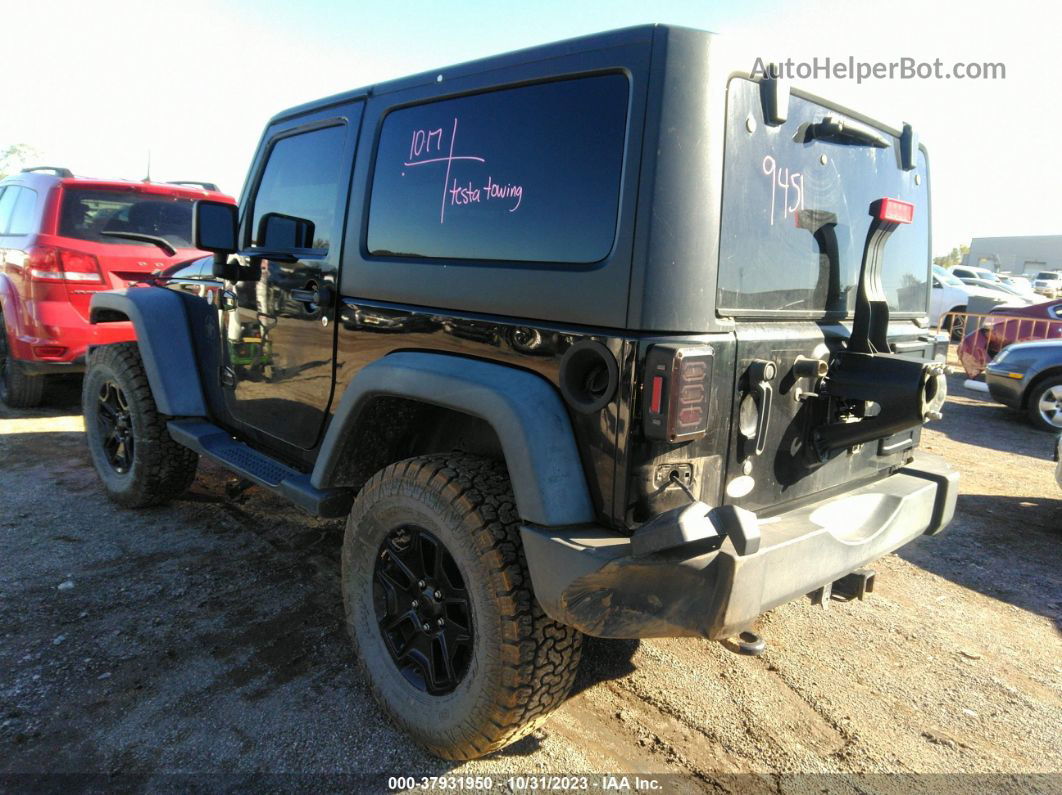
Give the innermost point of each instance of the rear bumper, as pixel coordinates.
(597, 582)
(60, 326)
(73, 367)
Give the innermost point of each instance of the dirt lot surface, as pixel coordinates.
(207, 637)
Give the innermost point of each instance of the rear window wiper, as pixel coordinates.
(161, 242)
(841, 131)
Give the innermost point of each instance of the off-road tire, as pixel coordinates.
(522, 663)
(18, 389)
(161, 469)
(1036, 394)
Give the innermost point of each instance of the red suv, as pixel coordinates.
(63, 239)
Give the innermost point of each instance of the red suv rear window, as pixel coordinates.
(91, 214)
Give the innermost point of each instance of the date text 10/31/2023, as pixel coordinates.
(426, 147)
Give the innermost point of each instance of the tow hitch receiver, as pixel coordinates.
(855, 585)
(851, 586)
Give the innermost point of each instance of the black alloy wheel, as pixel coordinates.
(423, 610)
(116, 427)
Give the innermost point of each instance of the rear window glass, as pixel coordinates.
(526, 174)
(796, 214)
(93, 214)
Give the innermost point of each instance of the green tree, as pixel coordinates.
(14, 157)
(953, 257)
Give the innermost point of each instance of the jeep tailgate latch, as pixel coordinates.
(761, 373)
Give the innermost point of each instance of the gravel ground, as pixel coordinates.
(206, 638)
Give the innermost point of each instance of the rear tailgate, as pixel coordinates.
(121, 266)
(103, 219)
(796, 217)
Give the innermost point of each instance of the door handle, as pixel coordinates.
(761, 373)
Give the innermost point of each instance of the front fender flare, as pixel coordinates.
(524, 409)
(165, 340)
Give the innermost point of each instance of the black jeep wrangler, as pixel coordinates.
(600, 337)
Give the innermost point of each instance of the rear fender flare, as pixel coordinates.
(163, 335)
(524, 409)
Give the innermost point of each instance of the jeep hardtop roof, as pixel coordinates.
(639, 34)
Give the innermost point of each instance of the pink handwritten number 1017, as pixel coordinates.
(424, 144)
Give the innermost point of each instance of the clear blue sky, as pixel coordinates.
(95, 85)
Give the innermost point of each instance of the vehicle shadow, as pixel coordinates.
(974, 418)
(1008, 548)
(62, 396)
(604, 659)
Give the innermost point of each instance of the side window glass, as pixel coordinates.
(528, 174)
(295, 206)
(7, 204)
(22, 214)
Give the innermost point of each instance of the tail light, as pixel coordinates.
(678, 380)
(48, 264)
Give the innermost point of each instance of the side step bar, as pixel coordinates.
(218, 445)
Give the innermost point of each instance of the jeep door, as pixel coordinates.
(278, 322)
(795, 218)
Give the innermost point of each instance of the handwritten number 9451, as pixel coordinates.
(786, 185)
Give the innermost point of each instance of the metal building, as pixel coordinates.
(1024, 254)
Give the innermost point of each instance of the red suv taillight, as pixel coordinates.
(48, 264)
(678, 381)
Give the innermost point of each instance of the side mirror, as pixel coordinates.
(214, 229)
(279, 231)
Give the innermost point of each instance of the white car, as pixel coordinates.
(1048, 283)
(1013, 293)
(1021, 284)
(951, 294)
(969, 272)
